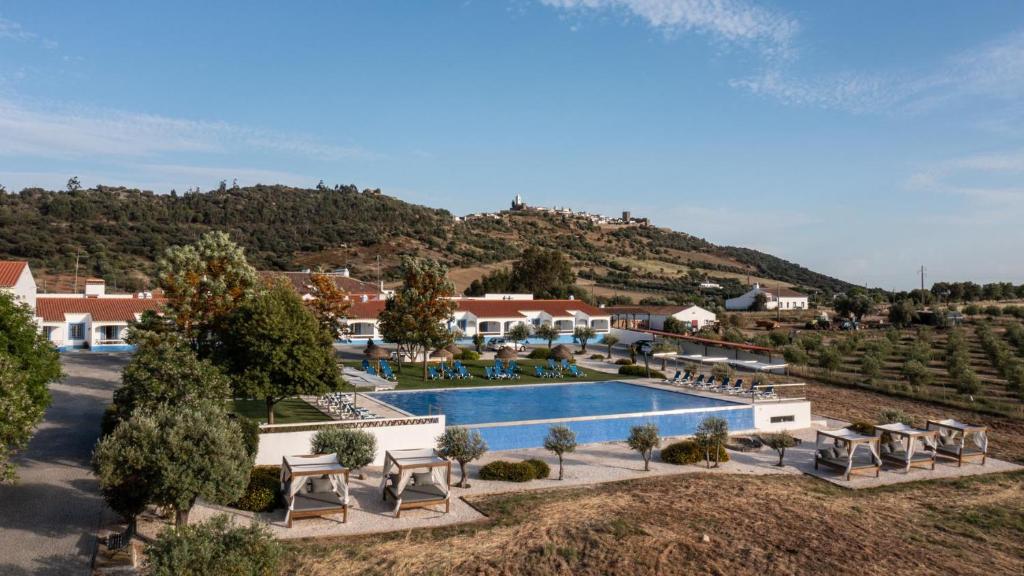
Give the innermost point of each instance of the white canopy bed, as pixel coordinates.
(314, 486)
(416, 478)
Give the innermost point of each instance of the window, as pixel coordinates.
(110, 332)
(48, 332)
(76, 331)
(781, 419)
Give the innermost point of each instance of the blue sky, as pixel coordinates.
(861, 139)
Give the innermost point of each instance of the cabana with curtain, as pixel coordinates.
(416, 478)
(960, 441)
(314, 486)
(839, 449)
(907, 446)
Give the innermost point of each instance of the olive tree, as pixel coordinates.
(547, 332)
(462, 445)
(172, 456)
(355, 448)
(584, 334)
(779, 441)
(609, 340)
(560, 440)
(28, 364)
(712, 433)
(644, 439)
(519, 332)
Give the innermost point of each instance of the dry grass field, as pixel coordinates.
(755, 525)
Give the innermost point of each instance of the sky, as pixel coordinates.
(860, 139)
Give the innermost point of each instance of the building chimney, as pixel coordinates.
(95, 287)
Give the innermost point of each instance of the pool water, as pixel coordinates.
(467, 406)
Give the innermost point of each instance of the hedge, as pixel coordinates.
(264, 490)
(688, 452)
(509, 471)
(541, 469)
(539, 354)
(468, 354)
(624, 362)
(637, 370)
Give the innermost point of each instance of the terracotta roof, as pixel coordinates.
(300, 281)
(53, 309)
(492, 308)
(10, 271)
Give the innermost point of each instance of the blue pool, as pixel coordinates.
(597, 412)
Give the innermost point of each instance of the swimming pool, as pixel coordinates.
(519, 416)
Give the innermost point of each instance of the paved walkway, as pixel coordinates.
(48, 520)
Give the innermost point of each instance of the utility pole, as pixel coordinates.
(380, 283)
(77, 254)
(923, 270)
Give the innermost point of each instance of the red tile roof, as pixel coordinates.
(300, 282)
(492, 308)
(53, 309)
(10, 271)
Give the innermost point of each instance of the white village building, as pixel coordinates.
(654, 317)
(16, 278)
(785, 298)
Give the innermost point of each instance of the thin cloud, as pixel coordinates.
(81, 132)
(992, 71)
(731, 21)
(13, 31)
(987, 181)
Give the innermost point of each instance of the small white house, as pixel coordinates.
(94, 320)
(16, 278)
(785, 298)
(654, 317)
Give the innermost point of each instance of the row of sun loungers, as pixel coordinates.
(454, 372)
(557, 370)
(385, 370)
(343, 405)
(726, 386)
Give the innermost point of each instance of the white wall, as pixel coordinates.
(24, 289)
(800, 410)
(702, 316)
(398, 436)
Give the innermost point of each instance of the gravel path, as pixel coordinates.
(48, 520)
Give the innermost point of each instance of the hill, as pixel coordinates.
(118, 233)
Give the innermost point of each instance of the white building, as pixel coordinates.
(16, 278)
(94, 320)
(785, 298)
(494, 316)
(654, 317)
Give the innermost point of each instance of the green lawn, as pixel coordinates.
(289, 411)
(411, 376)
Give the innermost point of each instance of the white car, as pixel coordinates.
(496, 344)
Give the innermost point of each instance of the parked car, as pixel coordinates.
(644, 347)
(496, 344)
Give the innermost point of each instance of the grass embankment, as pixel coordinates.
(755, 525)
(411, 375)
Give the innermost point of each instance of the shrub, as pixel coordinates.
(644, 439)
(541, 470)
(355, 448)
(597, 356)
(862, 427)
(506, 471)
(972, 310)
(917, 373)
(623, 361)
(721, 370)
(264, 490)
(539, 354)
(993, 310)
(462, 445)
(468, 354)
(894, 416)
(250, 435)
(214, 547)
(794, 354)
(688, 452)
(638, 370)
(778, 337)
(870, 366)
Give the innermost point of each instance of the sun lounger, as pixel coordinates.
(698, 382)
(366, 365)
(539, 372)
(432, 373)
(565, 364)
(385, 371)
(575, 371)
(371, 371)
(675, 378)
(687, 377)
(464, 372)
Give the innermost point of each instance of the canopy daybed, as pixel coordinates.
(907, 446)
(953, 440)
(416, 478)
(838, 449)
(314, 486)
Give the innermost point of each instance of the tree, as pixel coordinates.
(165, 370)
(462, 445)
(644, 439)
(173, 456)
(28, 364)
(547, 332)
(610, 340)
(329, 304)
(779, 441)
(760, 303)
(902, 313)
(204, 283)
(584, 334)
(855, 303)
(355, 448)
(276, 349)
(674, 325)
(795, 354)
(217, 546)
(519, 332)
(711, 434)
(829, 359)
(560, 440)
(478, 342)
(543, 273)
(73, 185)
(414, 316)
